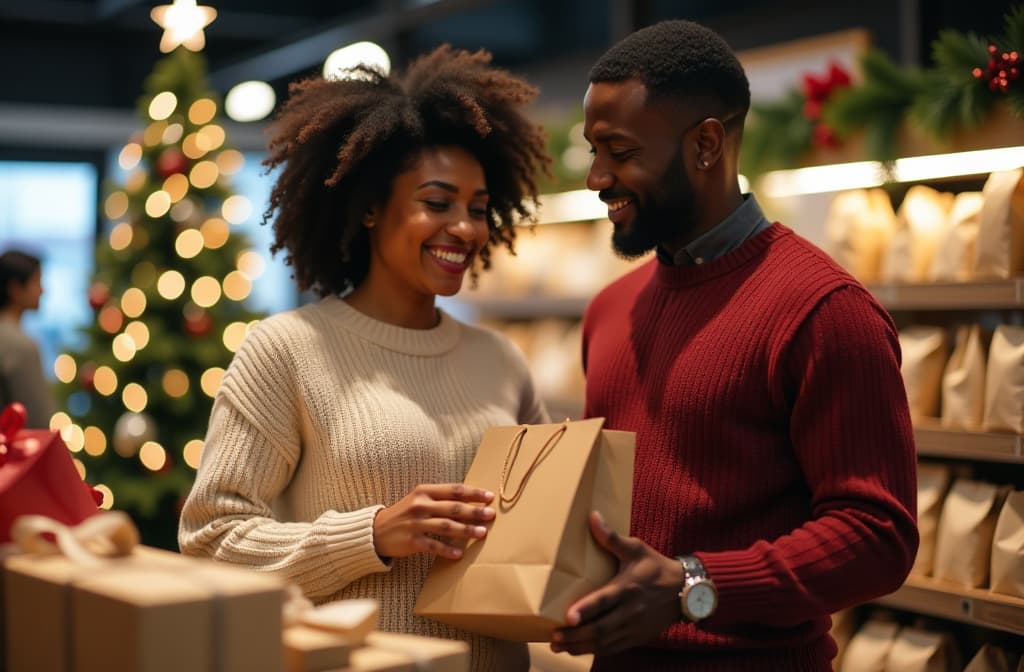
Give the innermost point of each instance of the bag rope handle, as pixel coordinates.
(513, 454)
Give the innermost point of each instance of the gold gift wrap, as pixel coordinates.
(539, 555)
(150, 611)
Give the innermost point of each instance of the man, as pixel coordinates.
(775, 467)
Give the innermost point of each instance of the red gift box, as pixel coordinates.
(37, 476)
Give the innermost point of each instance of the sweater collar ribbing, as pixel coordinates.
(421, 342)
(682, 276)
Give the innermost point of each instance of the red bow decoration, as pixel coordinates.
(12, 420)
(818, 90)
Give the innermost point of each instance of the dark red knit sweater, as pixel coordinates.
(773, 440)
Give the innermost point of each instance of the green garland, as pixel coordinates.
(957, 93)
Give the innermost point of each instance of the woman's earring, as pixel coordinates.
(370, 224)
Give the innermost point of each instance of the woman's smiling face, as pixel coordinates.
(432, 226)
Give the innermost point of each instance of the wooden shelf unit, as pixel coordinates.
(974, 606)
(934, 440)
(951, 295)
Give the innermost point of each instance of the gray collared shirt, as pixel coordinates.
(744, 223)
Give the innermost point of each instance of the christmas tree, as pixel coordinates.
(168, 293)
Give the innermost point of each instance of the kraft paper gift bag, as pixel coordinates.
(991, 658)
(999, 252)
(869, 648)
(539, 555)
(1008, 547)
(954, 258)
(858, 227)
(932, 483)
(925, 350)
(963, 546)
(917, 650)
(1004, 381)
(963, 381)
(920, 224)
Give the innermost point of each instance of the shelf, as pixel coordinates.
(999, 129)
(974, 606)
(528, 307)
(935, 441)
(952, 295)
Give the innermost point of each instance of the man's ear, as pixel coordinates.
(710, 143)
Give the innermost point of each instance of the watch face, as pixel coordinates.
(701, 600)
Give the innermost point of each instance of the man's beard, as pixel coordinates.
(668, 215)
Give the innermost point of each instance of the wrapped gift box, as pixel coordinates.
(389, 652)
(37, 476)
(309, 649)
(148, 612)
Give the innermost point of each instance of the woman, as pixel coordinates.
(342, 429)
(21, 369)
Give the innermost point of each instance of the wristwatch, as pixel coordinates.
(699, 596)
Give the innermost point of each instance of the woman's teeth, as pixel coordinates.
(449, 256)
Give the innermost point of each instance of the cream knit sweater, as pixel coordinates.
(324, 417)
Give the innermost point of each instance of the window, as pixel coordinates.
(49, 209)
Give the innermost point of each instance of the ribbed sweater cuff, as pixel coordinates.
(348, 540)
(744, 580)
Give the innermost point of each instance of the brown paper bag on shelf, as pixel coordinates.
(1004, 381)
(963, 381)
(844, 627)
(991, 658)
(963, 546)
(924, 355)
(1008, 547)
(539, 555)
(954, 258)
(858, 227)
(933, 481)
(869, 648)
(1000, 248)
(920, 224)
(917, 650)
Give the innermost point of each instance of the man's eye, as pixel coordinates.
(620, 154)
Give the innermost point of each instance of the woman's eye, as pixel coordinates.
(437, 205)
(478, 212)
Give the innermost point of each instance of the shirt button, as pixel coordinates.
(699, 260)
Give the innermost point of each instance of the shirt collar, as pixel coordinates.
(743, 223)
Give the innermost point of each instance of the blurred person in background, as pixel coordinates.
(342, 431)
(21, 368)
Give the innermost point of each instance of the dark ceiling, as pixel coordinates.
(95, 53)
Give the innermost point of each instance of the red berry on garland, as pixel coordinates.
(171, 162)
(198, 324)
(99, 294)
(824, 136)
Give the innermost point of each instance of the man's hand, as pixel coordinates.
(639, 603)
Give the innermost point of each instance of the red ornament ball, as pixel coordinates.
(171, 162)
(99, 294)
(198, 324)
(87, 377)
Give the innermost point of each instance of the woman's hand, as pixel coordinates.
(446, 510)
